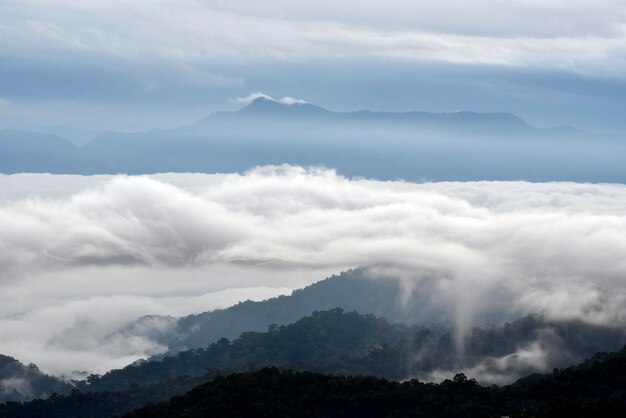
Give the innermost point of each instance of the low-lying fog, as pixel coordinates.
(83, 255)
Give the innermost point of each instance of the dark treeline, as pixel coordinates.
(595, 388)
(77, 404)
(591, 390)
(272, 393)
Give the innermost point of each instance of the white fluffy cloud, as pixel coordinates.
(82, 256)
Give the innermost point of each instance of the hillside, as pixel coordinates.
(316, 341)
(384, 298)
(335, 341)
(19, 382)
(351, 291)
(22, 151)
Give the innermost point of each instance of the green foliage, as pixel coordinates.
(587, 391)
(351, 290)
(272, 393)
(317, 341)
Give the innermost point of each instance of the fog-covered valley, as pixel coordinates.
(85, 259)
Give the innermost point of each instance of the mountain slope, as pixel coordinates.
(321, 339)
(23, 151)
(21, 383)
(352, 291)
(335, 341)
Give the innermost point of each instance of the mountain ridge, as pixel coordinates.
(298, 111)
(413, 146)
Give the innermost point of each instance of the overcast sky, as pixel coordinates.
(136, 64)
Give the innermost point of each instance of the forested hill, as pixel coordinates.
(351, 290)
(595, 389)
(316, 341)
(19, 382)
(355, 290)
(335, 341)
(341, 343)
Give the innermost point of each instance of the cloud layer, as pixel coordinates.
(82, 256)
(573, 34)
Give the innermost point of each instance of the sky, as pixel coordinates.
(137, 64)
(83, 256)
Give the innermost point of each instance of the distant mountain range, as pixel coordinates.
(386, 145)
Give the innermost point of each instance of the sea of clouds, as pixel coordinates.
(82, 256)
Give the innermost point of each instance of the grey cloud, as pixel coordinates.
(483, 17)
(544, 348)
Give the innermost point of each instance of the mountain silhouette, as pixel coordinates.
(385, 145)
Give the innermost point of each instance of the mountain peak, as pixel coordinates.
(260, 102)
(265, 106)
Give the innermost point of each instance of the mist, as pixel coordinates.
(83, 256)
